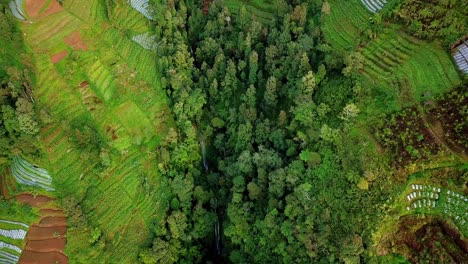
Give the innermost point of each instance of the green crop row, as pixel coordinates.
(342, 28)
(123, 16)
(89, 11)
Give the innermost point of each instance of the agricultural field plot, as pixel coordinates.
(407, 68)
(17, 10)
(29, 174)
(143, 7)
(433, 203)
(90, 71)
(146, 41)
(461, 56)
(259, 10)
(12, 235)
(430, 199)
(129, 19)
(45, 239)
(117, 208)
(344, 25)
(374, 5)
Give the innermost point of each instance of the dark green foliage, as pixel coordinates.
(74, 212)
(274, 128)
(445, 19)
(18, 122)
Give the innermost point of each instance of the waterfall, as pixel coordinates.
(217, 233)
(217, 225)
(205, 164)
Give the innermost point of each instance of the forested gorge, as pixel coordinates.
(259, 131)
(283, 171)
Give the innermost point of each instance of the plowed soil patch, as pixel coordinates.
(75, 41)
(52, 212)
(84, 84)
(50, 221)
(3, 185)
(43, 233)
(49, 245)
(33, 7)
(30, 257)
(35, 201)
(59, 56)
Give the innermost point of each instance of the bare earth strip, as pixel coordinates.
(34, 6)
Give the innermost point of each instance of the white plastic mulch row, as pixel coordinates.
(8, 258)
(374, 5)
(28, 174)
(461, 57)
(14, 233)
(16, 9)
(146, 41)
(12, 247)
(142, 6)
(14, 223)
(430, 195)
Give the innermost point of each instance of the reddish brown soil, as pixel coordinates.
(206, 6)
(59, 56)
(49, 245)
(49, 221)
(3, 185)
(429, 240)
(46, 241)
(34, 201)
(51, 212)
(31, 257)
(112, 131)
(34, 6)
(84, 84)
(43, 233)
(74, 40)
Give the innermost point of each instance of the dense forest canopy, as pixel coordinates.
(278, 144)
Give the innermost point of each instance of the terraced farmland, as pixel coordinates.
(374, 5)
(407, 67)
(12, 234)
(17, 9)
(29, 174)
(111, 83)
(461, 56)
(431, 199)
(143, 7)
(146, 41)
(259, 10)
(344, 26)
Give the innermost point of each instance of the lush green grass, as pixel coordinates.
(343, 27)
(124, 103)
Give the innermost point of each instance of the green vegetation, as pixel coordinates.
(240, 131)
(344, 23)
(263, 11)
(435, 19)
